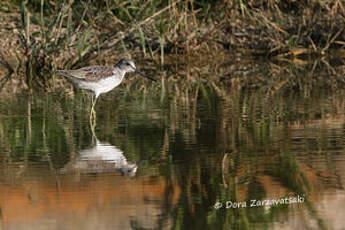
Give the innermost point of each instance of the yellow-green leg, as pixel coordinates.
(92, 126)
(93, 113)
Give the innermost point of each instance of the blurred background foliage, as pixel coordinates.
(40, 36)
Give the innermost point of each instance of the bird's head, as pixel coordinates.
(126, 65)
(128, 170)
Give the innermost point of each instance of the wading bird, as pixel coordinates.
(100, 79)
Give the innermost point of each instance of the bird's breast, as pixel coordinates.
(102, 85)
(107, 84)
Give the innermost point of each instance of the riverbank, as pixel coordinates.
(39, 37)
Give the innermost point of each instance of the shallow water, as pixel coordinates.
(203, 155)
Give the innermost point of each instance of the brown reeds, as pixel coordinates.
(70, 34)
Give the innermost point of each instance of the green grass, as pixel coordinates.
(70, 34)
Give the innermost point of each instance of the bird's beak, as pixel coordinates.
(143, 75)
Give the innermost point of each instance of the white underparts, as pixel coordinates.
(101, 86)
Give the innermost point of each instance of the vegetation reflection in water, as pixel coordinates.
(211, 137)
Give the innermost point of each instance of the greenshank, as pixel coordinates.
(101, 79)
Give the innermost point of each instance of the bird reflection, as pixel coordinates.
(101, 157)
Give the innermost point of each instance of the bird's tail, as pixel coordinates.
(62, 72)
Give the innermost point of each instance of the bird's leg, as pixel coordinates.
(93, 102)
(93, 125)
(93, 106)
(93, 112)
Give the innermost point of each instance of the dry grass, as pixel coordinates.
(70, 34)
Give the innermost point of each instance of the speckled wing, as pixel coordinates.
(90, 73)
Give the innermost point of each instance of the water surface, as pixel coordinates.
(228, 147)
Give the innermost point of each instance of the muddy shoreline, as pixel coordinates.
(38, 39)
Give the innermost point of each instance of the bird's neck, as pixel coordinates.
(119, 72)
